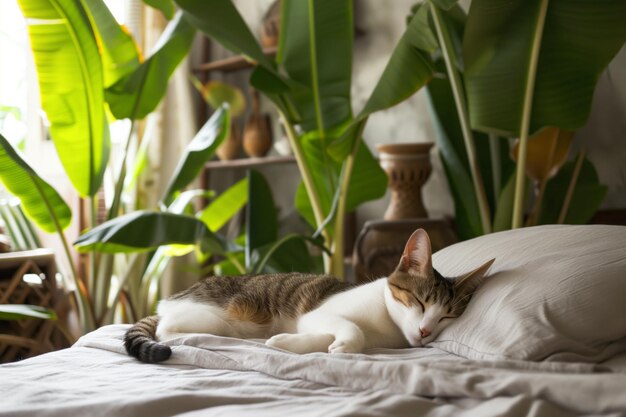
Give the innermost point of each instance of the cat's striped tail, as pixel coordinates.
(140, 341)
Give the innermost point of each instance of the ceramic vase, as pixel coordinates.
(408, 167)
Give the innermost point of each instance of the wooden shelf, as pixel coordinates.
(250, 162)
(234, 63)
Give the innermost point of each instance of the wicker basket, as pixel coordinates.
(21, 339)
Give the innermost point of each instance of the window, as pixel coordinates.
(13, 73)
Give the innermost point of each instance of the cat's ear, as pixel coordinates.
(470, 282)
(417, 255)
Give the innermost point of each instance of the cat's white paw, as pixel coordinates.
(283, 341)
(345, 346)
(300, 343)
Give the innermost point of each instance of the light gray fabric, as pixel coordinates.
(211, 376)
(557, 293)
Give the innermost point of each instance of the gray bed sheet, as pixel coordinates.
(217, 376)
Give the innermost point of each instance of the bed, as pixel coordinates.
(545, 336)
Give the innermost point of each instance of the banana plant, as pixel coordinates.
(103, 73)
(539, 45)
(309, 82)
(132, 232)
(177, 232)
(509, 73)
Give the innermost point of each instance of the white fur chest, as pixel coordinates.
(365, 306)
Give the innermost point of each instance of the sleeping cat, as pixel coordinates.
(305, 313)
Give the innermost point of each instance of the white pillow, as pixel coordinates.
(554, 293)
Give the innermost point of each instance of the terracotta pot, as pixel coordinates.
(257, 134)
(408, 167)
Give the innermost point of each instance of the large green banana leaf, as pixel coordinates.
(289, 254)
(120, 55)
(182, 203)
(577, 41)
(137, 94)
(368, 180)
(69, 69)
(586, 198)
(201, 148)
(165, 6)
(147, 230)
(225, 206)
(261, 215)
(41, 203)
(308, 29)
(220, 20)
(408, 70)
(25, 311)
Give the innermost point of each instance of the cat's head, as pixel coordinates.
(420, 300)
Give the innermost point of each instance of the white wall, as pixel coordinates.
(604, 135)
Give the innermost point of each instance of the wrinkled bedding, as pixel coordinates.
(209, 375)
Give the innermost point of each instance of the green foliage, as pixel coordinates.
(25, 311)
(409, 69)
(225, 206)
(147, 230)
(217, 93)
(220, 20)
(120, 55)
(83, 55)
(261, 215)
(165, 6)
(323, 74)
(498, 46)
(138, 93)
(41, 203)
(200, 150)
(72, 94)
(577, 41)
(310, 83)
(587, 196)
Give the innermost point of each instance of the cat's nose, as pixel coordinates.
(424, 332)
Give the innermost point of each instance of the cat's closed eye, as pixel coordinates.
(446, 317)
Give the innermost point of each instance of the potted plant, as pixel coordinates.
(510, 74)
(309, 83)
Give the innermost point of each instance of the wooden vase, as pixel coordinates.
(408, 167)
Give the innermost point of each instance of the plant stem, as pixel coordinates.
(232, 258)
(105, 272)
(307, 179)
(533, 218)
(108, 316)
(459, 99)
(518, 205)
(314, 80)
(316, 94)
(93, 258)
(496, 166)
(103, 285)
(571, 187)
(84, 312)
(119, 186)
(337, 260)
(534, 213)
